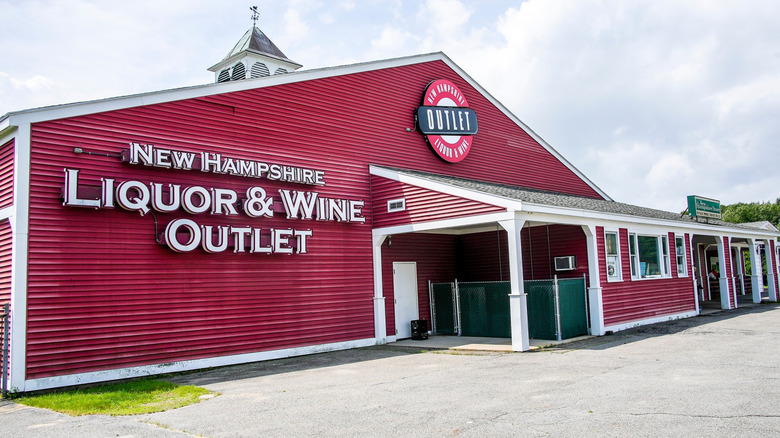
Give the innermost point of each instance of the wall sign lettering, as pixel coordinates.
(185, 235)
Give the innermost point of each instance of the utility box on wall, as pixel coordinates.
(567, 263)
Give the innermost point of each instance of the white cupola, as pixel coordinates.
(254, 56)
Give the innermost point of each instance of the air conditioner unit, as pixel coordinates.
(568, 263)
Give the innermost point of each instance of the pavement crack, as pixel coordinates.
(169, 427)
(674, 414)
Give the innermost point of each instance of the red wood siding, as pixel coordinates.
(422, 205)
(102, 294)
(7, 174)
(435, 258)
(483, 256)
(541, 244)
(626, 301)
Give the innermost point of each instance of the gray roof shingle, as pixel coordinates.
(563, 200)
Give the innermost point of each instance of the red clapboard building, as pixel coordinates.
(278, 213)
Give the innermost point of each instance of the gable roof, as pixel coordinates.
(13, 119)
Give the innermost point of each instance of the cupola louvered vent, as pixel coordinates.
(254, 56)
(239, 72)
(259, 70)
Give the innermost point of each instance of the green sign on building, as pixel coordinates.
(703, 207)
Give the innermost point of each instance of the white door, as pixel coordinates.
(405, 293)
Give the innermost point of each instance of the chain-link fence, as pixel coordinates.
(484, 309)
(443, 308)
(557, 308)
(542, 322)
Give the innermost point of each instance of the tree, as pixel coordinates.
(752, 212)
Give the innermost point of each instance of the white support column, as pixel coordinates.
(723, 280)
(694, 252)
(770, 272)
(739, 257)
(755, 266)
(380, 322)
(595, 299)
(518, 300)
(20, 219)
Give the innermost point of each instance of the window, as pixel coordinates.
(394, 205)
(666, 268)
(633, 255)
(682, 267)
(649, 256)
(613, 255)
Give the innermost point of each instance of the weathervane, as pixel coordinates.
(255, 15)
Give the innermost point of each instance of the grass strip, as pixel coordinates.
(127, 398)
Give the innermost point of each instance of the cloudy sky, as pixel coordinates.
(653, 100)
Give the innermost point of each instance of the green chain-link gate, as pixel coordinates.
(557, 309)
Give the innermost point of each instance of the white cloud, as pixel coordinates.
(634, 94)
(34, 84)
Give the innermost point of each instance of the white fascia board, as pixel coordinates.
(474, 195)
(524, 127)
(549, 213)
(117, 103)
(444, 224)
(187, 365)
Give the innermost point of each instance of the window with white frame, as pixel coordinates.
(682, 266)
(666, 268)
(649, 256)
(611, 243)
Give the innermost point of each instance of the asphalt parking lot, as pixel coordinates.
(714, 375)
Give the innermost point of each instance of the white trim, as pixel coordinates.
(637, 323)
(685, 258)
(619, 277)
(20, 228)
(445, 223)
(7, 212)
(664, 265)
(623, 219)
(393, 338)
(187, 365)
(518, 300)
(595, 298)
(380, 319)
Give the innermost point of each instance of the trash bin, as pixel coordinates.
(419, 329)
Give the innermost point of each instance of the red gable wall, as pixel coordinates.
(103, 294)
